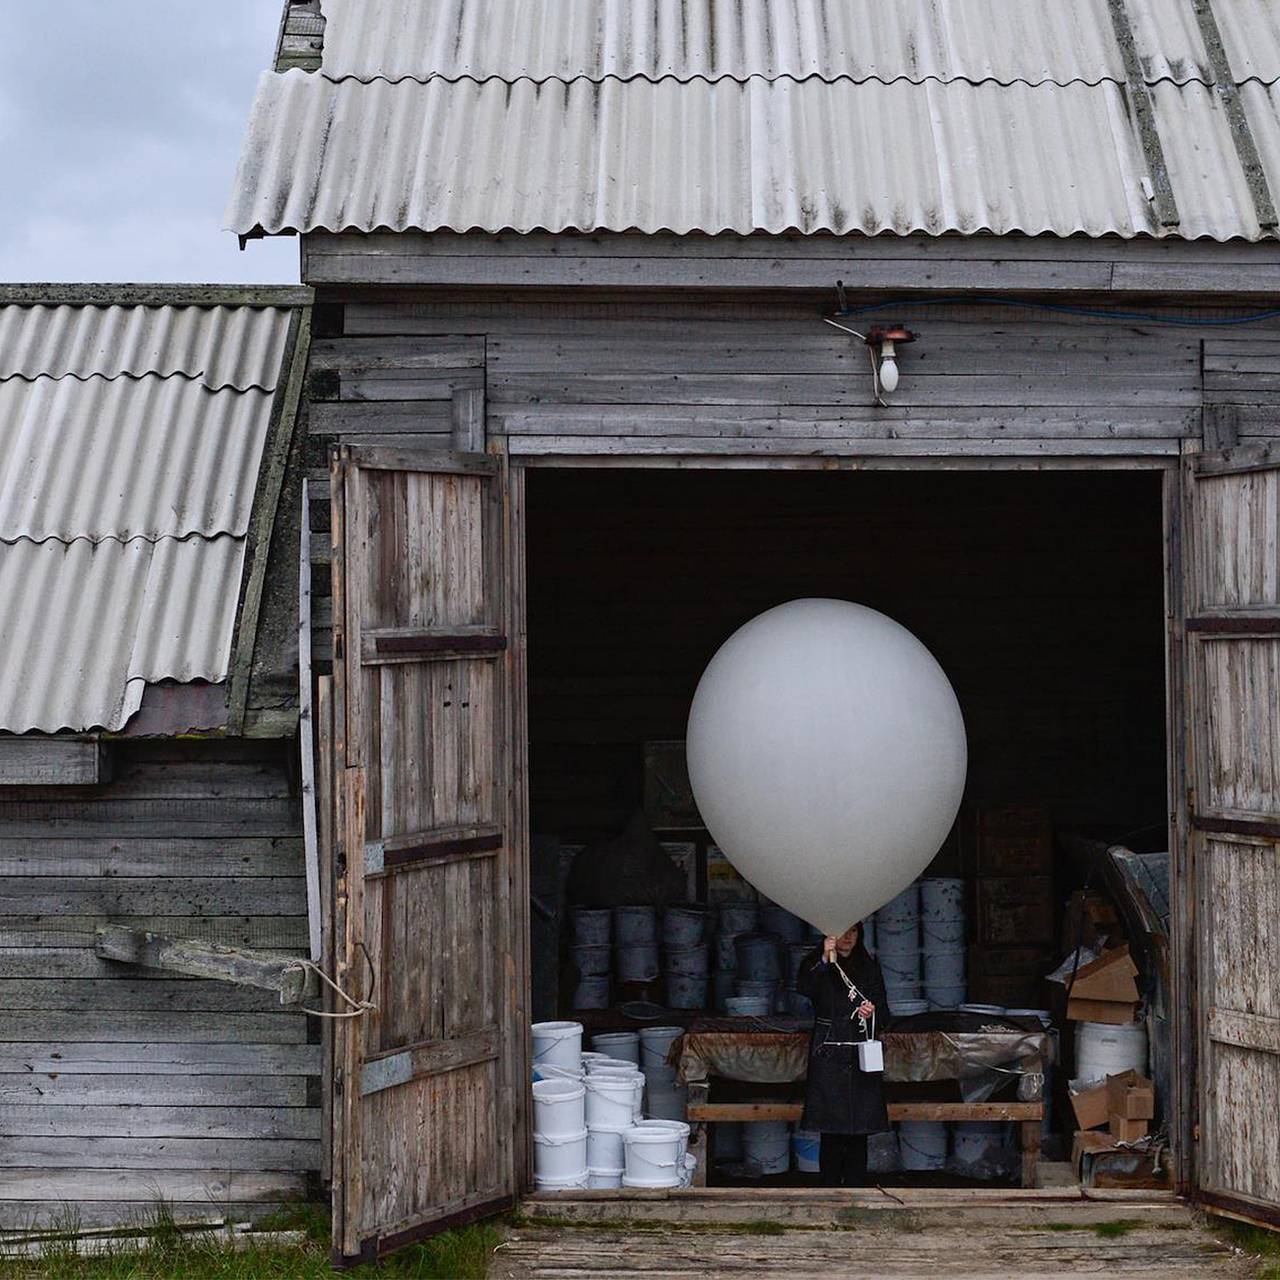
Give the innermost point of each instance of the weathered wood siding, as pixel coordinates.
(121, 1085)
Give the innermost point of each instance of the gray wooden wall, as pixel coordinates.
(119, 1086)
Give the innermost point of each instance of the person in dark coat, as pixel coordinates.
(842, 1102)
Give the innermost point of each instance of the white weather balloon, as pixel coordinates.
(827, 756)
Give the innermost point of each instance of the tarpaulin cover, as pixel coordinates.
(776, 1051)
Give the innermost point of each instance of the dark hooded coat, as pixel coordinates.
(839, 1096)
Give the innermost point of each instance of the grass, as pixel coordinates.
(166, 1252)
(1260, 1243)
(1112, 1230)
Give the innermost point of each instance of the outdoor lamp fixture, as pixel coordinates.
(882, 342)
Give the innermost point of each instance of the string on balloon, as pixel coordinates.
(855, 997)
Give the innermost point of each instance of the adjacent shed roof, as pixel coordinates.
(130, 442)
(771, 115)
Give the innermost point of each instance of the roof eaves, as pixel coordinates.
(155, 295)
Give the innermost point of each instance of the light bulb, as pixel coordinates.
(888, 369)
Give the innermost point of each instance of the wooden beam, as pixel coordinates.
(245, 966)
(275, 456)
(306, 729)
(42, 762)
(962, 1111)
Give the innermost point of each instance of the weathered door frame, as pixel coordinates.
(1184, 1008)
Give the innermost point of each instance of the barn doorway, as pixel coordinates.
(1042, 595)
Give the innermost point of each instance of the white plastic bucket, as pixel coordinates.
(738, 917)
(900, 970)
(781, 923)
(749, 1006)
(891, 941)
(612, 1100)
(907, 1008)
(976, 1142)
(692, 960)
(558, 1108)
(805, 1148)
(665, 1103)
(943, 997)
(593, 960)
(900, 991)
(686, 926)
(560, 1155)
(944, 968)
(592, 926)
(984, 1010)
(603, 1179)
(605, 1147)
(549, 1071)
(759, 957)
(623, 1046)
(603, 1062)
(558, 1043)
(659, 1077)
(578, 1182)
(726, 949)
(655, 1045)
(1104, 1049)
(687, 990)
(766, 1145)
(592, 992)
(900, 911)
(632, 925)
(941, 911)
(869, 934)
(923, 1144)
(637, 961)
(655, 1151)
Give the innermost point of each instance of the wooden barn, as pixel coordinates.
(149, 767)
(629, 322)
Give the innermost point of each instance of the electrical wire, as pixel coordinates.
(1062, 308)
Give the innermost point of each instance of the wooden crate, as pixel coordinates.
(1014, 910)
(1013, 841)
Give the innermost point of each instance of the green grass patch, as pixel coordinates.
(1115, 1230)
(165, 1252)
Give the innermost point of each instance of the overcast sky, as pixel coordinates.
(120, 123)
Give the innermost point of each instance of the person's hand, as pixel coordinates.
(866, 1009)
(828, 950)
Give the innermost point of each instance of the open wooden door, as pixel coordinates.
(1233, 801)
(426, 1114)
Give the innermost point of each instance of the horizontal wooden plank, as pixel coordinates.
(122, 855)
(96, 1185)
(158, 895)
(145, 1026)
(58, 930)
(354, 418)
(56, 1089)
(1238, 461)
(155, 994)
(24, 1214)
(49, 762)
(93, 1152)
(636, 446)
(440, 352)
(160, 1058)
(419, 1061)
(182, 816)
(949, 1111)
(382, 857)
(413, 644)
(391, 384)
(1248, 1030)
(22, 1119)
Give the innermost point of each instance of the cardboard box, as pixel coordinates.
(1113, 1011)
(1131, 1096)
(1090, 1106)
(1123, 1130)
(1109, 977)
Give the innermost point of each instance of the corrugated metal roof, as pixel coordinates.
(727, 156)
(128, 463)
(86, 626)
(694, 115)
(139, 457)
(218, 346)
(596, 39)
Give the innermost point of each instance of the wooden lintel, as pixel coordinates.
(38, 761)
(245, 966)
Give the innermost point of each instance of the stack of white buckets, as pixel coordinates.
(588, 1129)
